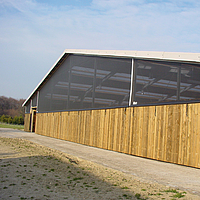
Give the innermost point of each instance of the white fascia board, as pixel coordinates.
(173, 56)
(154, 55)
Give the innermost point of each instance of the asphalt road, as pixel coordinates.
(145, 170)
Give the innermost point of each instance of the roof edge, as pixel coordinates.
(161, 55)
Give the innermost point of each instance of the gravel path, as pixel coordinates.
(144, 170)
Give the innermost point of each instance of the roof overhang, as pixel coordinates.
(147, 55)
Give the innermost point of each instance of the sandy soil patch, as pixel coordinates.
(32, 171)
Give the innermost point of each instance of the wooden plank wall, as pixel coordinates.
(168, 133)
(27, 122)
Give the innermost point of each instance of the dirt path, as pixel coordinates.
(33, 171)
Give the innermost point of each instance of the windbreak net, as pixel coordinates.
(83, 82)
(159, 82)
(27, 107)
(34, 101)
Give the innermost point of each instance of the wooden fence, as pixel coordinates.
(168, 133)
(27, 122)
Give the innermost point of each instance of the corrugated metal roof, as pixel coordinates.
(152, 55)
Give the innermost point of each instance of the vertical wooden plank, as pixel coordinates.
(124, 131)
(58, 125)
(69, 131)
(62, 126)
(198, 136)
(83, 122)
(127, 130)
(79, 132)
(101, 128)
(65, 126)
(173, 137)
(150, 132)
(76, 120)
(115, 129)
(47, 124)
(139, 129)
(36, 123)
(91, 127)
(182, 135)
(87, 127)
(134, 137)
(135, 134)
(131, 130)
(76, 126)
(110, 129)
(159, 131)
(169, 134)
(27, 122)
(55, 125)
(95, 132)
(189, 136)
(155, 142)
(164, 132)
(145, 132)
(97, 129)
(106, 129)
(120, 129)
(122, 138)
(39, 129)
(55, 128)
(193, 135)
(42, 123)
(176, 132)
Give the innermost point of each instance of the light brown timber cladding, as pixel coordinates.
(169, 133)
(27, 122)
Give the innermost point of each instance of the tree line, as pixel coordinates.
(11, 110)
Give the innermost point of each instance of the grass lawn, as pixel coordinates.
(13, 126)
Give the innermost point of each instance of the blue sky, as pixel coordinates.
(34, 33)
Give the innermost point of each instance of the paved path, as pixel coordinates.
(147, 170)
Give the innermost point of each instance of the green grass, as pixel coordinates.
(13, 126)
(178, 195)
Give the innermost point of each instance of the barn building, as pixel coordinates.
(140, 103)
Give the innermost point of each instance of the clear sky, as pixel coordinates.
(34, 33)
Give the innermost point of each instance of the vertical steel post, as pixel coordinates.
(133, 83)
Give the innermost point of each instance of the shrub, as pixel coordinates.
(9, 120)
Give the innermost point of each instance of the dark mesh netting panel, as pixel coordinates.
(155, 82)
(190, 82)
(112, 86)
(158, 82)
(34, 101)
(54, 94)
(83, 82)
(27, 107)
